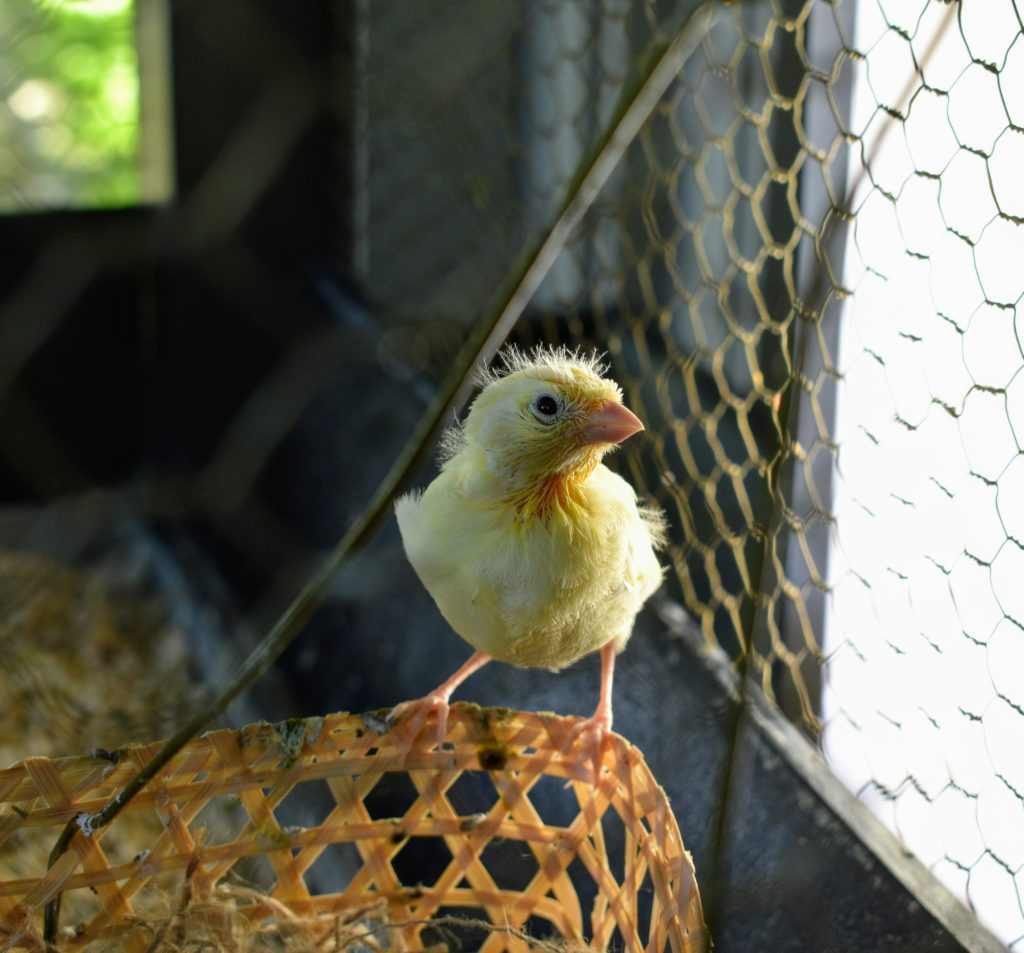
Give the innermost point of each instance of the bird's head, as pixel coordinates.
(543, 423)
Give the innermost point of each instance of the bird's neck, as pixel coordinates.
(533, 496)
(551, 494)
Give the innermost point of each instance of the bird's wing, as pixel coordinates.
(458, 553)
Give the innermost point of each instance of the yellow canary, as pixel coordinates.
(535, 553)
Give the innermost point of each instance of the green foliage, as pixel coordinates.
(69, 104)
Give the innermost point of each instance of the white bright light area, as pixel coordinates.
(924, 699)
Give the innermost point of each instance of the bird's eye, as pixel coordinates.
(545, 408)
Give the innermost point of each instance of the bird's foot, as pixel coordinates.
(594, 733)
(409, 719)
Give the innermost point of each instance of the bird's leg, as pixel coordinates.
(596, 729)
(416, 713)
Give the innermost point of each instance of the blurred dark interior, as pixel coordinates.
(169, 354)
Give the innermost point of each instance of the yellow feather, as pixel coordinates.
(535, 552)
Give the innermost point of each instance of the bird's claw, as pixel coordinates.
(595, 732)
(408, 720)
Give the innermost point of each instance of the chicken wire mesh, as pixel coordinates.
(788, 272)
(805, 273)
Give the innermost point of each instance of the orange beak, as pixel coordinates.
(610, 423)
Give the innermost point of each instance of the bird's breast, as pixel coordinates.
(535, 592)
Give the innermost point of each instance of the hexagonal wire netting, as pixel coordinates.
(805, 272)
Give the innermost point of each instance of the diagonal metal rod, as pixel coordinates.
(484, 339)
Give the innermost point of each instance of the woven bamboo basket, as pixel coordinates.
(606, 865)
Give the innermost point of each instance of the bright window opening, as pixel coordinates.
(924, 704)
(77, 127)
